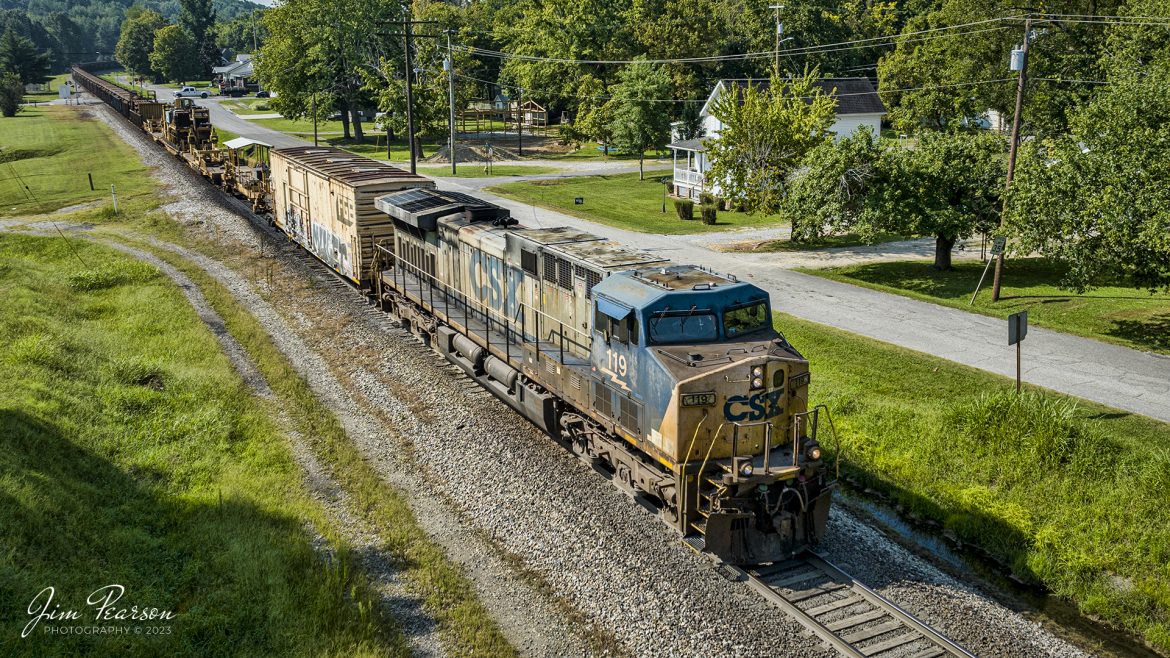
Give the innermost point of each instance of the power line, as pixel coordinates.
(831, 47)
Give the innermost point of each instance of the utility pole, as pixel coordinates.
(406, 25)
(779, 35)
(450, 66)
(520, 122)
(1021, 83)
(314, 118)
(254, 46)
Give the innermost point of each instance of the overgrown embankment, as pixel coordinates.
(1069, 494)
(135, 455)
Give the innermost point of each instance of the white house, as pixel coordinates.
(858, 105)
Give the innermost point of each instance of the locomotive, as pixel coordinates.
(669, 378)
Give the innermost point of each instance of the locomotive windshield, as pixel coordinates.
(697, 325)
(744, 319)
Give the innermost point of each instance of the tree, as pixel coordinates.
(691, 122)
(137, 41)
(243, 34)
(948, 187)
(175, 55)
(319, 49)
(198, 18)
(11, 93)
(834, 188)
(940, 80)
(18, 55)
(1098, 200)
(640, 121)
(71, 42)
(768, 127)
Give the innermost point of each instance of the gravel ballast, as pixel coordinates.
(487, 485)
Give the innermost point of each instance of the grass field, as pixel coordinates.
(1071, 495)
(52, 93)
(247, 106)
(51, 149)
(134, 455)
(478, 170)
(593, 151)
(1111, 313)
(623, 201)
(827, 242)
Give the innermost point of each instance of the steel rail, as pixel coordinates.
(850, 617)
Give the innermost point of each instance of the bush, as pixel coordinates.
(685, 208)
(706, 198)
(710, 213)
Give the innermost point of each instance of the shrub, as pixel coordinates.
(11, 93)
(710, 213)
(685, 208)
(706, 198)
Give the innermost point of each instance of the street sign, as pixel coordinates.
(578, 201)
(1017, 330)
(997, 245)
(1017, 327)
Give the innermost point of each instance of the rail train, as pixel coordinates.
(669, 378)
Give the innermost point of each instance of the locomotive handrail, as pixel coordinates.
(490, 313)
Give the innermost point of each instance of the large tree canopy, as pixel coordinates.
(175, 55)
(137, 41)
(1098, 200)
(20, 56)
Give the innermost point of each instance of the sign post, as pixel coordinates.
(997, 247)
(1017, 330)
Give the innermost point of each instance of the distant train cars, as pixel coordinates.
(323, 198)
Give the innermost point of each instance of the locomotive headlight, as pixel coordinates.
(813, 452)
(757, 377)
(746, 470)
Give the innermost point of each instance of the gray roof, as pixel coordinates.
(854, 95)
(695, 145)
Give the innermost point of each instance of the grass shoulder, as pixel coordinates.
(624, 201)
(1110, 313)
(842, 241)
(1069, 494)
(135, 455)
(50, 152)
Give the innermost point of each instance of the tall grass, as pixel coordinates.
(1068, 494)
(133, 454)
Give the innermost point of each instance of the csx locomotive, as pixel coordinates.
(670, 378)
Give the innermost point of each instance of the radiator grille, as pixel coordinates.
(591, 279)
(603, 398)
(550, 268)
(631, 416)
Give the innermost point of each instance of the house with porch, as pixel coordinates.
(858, 105)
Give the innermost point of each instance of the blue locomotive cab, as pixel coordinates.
(692, 370)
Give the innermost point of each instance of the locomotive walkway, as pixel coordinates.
(1112, 375)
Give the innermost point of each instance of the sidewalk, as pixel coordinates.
(1112, 375)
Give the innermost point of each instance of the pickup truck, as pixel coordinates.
(191, 92)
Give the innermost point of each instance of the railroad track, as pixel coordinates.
(852, 618)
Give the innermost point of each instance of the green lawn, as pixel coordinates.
(1111, 313)
(249, 106)
(52, 93)
(478, 170)
(1071, 494)
(302, 127)
(827, 242)
(51, 149)
(135, 455)
(593, 151)
(623, 201)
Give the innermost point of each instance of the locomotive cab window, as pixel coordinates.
(697, 325)
(745, 318)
